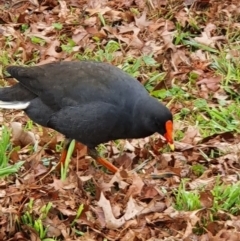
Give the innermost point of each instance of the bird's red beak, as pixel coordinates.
(169, 134)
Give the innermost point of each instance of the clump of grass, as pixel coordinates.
(198, 169)
(108, 54)
(64, 168)
(5, 168)
(28, 218)
(225, 198)
(4, 145)
(186, 200)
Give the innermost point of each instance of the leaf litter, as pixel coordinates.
(130, 205)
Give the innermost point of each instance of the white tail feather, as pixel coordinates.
(17, 105)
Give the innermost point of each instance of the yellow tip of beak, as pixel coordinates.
(172, 147)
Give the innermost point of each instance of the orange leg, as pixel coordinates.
(92, 152)
(107, 164)
(63, 156)
(65, 150)
(62, 159)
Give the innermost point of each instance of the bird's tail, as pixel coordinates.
(17, 105)
(15, 97)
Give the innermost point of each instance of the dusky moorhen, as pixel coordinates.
(91, 102)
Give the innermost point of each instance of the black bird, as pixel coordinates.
(91, 102)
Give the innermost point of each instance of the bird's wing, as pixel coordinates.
(91, 123)
(66, 83)
(16, 92)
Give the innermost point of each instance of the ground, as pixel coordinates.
(186, 53)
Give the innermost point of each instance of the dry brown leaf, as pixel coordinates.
(34, 2)
(134, 39)
(188, 231)
(117, 178)
(192, 135)
(226, 235)
(133, 209)
(199, 183)
(227, 148)
(178, 57)
(129, 236)
(199, 55)
(64, 11)
(67, 212)
(111, 221)
(2, 193)
(79, 34)
(207, 38)
(136, 187)
(54, 226)
(168, 36)
(140, 3)
(57, 184)
(51, 49)
(182, 17)
(212, 83)
(206, 199)
(20, 136)
(102, 11)
(142, 22)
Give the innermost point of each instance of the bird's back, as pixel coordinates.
(72, 83)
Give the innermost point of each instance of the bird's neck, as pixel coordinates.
(140, 125)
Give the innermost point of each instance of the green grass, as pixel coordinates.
(106, 54)
(79, 212)
(225, 197)
(4, 146)
(229, 68)
(29, 218)
(68, 46)
(34, 217)
(198, 169)
(186, 200)
(64, 168)
(57, 26)
(37, 40)
(29, 125)
(6, 168)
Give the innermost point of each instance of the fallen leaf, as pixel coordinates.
(136, 187)
(111, 221)
(20, 136)
(192, 136)
(142, 22)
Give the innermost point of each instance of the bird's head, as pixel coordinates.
(162, 121)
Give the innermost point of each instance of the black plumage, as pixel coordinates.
(89, 101)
